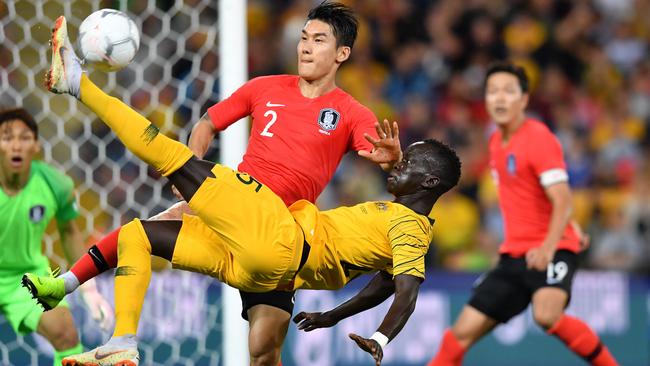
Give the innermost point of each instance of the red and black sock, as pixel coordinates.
(582, 340)
(451, 352)
(99, 258)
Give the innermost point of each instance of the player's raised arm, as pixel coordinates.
(380, 287)
(407, 288)
(202, 135)
(386, 150)
(204, 130)
(221, 115)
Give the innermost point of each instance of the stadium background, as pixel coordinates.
(418, 62)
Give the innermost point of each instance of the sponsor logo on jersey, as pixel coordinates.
(328, 119)
(37, 213)
(511, 164)
(381, 206)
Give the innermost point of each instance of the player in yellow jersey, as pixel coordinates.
(245, 236)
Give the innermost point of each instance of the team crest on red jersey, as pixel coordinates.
(328, 119)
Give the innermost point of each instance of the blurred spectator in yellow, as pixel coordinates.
(456, 227)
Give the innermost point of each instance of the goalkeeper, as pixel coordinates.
(33, 193)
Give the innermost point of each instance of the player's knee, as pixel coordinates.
(133, 235)
(546, 317)
(268, 328)
(63, 338)
(264, 353)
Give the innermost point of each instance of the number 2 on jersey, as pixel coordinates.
(274, 117)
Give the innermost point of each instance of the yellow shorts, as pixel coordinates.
(242, 233)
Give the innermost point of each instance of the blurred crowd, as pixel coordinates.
(422, 63)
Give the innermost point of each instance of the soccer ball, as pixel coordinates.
(108, 39)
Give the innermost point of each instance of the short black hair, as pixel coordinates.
(341, 18)
(510, 68)
(447, 166)
(21, 114)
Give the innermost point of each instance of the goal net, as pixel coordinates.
(172, 80)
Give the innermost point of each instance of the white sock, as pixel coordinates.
(70, 281)
(122, 342)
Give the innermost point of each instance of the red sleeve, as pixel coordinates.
(546, 152)
(233, 108)
(363, 121)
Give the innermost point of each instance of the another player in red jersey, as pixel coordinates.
(538, 256)
(302, 126)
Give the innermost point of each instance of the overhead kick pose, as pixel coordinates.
(302, 125)
(244, 235)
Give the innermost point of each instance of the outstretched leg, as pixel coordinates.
(171, 158)
(190, 244)
(99, 258)
(138, 240)
(250, 201)
(139, 135)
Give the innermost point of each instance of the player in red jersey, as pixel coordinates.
(302, 126)
(538, 256)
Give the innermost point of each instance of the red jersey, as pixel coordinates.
(295, 142)
(531, 160)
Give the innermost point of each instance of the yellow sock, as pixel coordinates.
(131, 277)
(136, 132)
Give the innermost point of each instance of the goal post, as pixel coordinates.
(233, 72)
(172, 81)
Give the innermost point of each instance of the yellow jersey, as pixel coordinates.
(349, 241)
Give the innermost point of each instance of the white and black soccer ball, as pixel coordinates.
(108, 39)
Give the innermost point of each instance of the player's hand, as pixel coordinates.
(369, 345)
(311, 321)
(539, 258)
(387, 150)
(100, 310)
(177, 193)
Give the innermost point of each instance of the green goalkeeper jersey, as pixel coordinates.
(25, 216)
